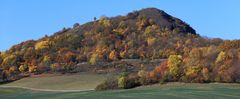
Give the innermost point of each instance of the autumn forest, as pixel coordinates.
(145, 35)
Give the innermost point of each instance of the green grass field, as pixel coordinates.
(60, 82)
(167, 91)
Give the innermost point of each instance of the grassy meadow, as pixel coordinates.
(166, 91)
(59, 82)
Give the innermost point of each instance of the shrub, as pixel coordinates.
(143, 77)
(132, 81)
(110, 83)
(122, 80)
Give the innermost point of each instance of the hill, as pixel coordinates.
(146, 34)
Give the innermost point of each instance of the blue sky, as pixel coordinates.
(22, 20)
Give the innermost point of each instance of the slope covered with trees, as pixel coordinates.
(199, 65)
(146, 34)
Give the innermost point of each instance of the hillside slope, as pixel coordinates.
(53, 82)
(145, 34)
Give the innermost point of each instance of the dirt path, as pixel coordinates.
(36, 89)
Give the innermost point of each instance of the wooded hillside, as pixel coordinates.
(146, 34)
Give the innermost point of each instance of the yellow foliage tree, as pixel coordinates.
(32, 69)
(123, 54)
(122, 80)
(192, 71)
(143, 75)
(46, 58)
(22, 68)
(94, 58)
(174, 62)
(46, 61)
(221, 57)
(104, 21)
(151, 40)
(113, 55)
(42, 45)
